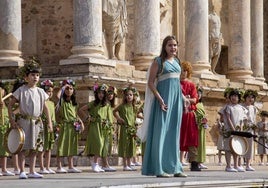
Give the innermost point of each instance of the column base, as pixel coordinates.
(84, 66)
(240, 75)
(87, 51)
(10, 58)
(201, 68)
(143, 62)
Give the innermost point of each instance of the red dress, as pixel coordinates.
(189, 129)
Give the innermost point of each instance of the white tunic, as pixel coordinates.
(31, 103)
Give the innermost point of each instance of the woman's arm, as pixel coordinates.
(151, 85)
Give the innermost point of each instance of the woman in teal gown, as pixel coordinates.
(161, 157)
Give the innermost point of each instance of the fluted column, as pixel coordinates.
(257, 62)
(239, 66)
(10, 33)
(87, 29)
(196, 36)
(147, 32)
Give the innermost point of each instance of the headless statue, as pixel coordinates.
(114, 13)
(214, 40)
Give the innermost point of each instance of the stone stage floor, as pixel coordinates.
(214, 176)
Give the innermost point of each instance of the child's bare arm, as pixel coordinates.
(49, 123)
(12, 121)
(82, 111)
(118, 118)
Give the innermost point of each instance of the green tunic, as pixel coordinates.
(200, 114)
(3, 129)
(49, 139)
(100, 129)
(68, 137)
(127, 133)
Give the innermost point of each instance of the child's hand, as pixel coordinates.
(50, 128)
(121, 121)
(14, 124)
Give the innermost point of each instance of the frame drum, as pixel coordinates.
(239, 145)
(14, 140)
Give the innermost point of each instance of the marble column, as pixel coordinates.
(87, 29)
(257, 62)
(10, 33)
(147, 32)
(239, 67)
(196, 36)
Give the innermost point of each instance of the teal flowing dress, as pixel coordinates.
(162, 144)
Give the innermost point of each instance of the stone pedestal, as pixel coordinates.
(10, 37)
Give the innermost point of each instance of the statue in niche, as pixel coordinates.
(114, 14)
(215, 37)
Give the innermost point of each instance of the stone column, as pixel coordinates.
(10, 33)
(147, 32)
(196, 36)
(87, 29)
(239, 67)
(257, 62)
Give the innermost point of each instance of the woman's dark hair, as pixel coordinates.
(97, 100)
(73, 98)
(163, 54)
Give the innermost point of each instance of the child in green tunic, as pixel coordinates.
(70, 127)
(202, 126)
(99, 113)
(111, 95)
(47, 85)
(126, 114)
(4, 126)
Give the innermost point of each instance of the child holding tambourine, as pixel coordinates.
(235, 114)
(31, 100)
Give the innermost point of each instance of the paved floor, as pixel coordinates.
(215, 176)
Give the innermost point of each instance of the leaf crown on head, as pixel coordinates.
(46, 84)
(69, 82)
(250, 92)
(130, 88)
(32, 65)
(112, 89)
(97, 87)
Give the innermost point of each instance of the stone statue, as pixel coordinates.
(114, 13)
(215, 37)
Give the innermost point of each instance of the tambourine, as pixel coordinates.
(14, 140)
(239, 145)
